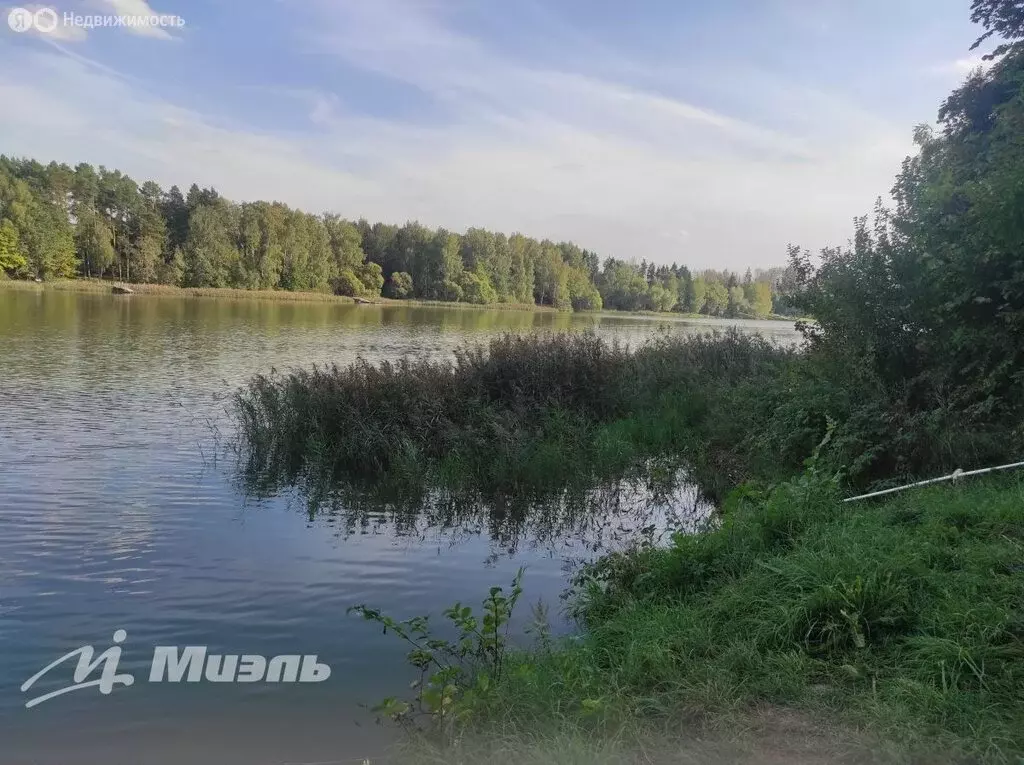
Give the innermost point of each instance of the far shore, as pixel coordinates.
(104, 286)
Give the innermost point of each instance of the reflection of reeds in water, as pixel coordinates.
(651, 501)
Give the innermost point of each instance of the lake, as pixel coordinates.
(120, 508)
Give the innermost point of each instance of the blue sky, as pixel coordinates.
(711, 133)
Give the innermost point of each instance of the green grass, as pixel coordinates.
(104, 286)
(902, 617)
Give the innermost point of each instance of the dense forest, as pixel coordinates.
(61, 222)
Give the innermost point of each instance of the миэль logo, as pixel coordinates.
(191, 664)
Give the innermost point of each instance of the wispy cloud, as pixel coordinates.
(405, 41)
(960, 67)
(139, 9)
(563, 153)
(637, 157)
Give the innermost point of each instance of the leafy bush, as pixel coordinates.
(453, 674)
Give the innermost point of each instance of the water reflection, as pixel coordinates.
(654, 499)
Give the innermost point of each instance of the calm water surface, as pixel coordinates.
(120, 508)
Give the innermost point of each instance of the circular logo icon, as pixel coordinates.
(45, 19)
(20, 19)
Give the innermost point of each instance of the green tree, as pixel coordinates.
(399, 285)
(148, 234)
(12, 262)
(260, 234)
(85, 190)
(381, 244)
(1001, 18)
(442, 268)
(762, 298)
(172, 270)
(716, 299)
(95, 242)
(175, 212)
(738, 305)
(491, 264)
(320, 267)
(583, 295)
(522, 257)
(347, 283)
(210, 255)
(663, 298)
(118, 201)
(346, 243)
(700, 294)
(624, 286)
(50, 243)
(305, 248)
(371, 277)
(417, 250)
(551, 278)
(928, 299)
(476, 286)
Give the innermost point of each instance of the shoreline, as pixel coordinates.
(102, 286)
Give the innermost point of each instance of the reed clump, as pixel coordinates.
(525, 410)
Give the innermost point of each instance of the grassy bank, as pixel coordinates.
(898, 621)
(103, 286)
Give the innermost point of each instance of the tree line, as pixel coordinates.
(61, 222)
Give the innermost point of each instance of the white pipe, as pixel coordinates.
(955, 475)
